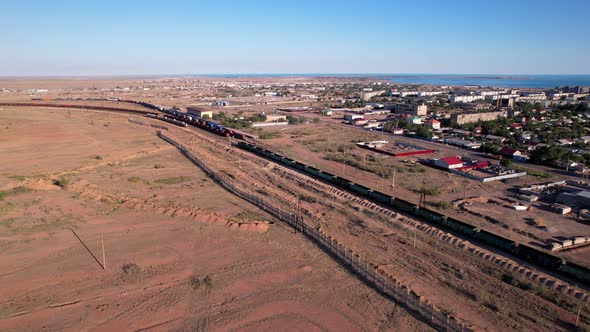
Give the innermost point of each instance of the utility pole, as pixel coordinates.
(393, 178)
(299, 219)
(104, 260)
(344, 164)
(465, 183)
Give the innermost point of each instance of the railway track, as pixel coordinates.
(87, 107)
(395, 219)
(392, 219)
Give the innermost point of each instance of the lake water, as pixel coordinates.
(505, 81)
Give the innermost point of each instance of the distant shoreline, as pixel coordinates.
(483, 80)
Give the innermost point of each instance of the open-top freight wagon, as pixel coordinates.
(532, 255)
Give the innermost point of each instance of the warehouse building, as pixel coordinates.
(352, 117)
(449, 163)
(199, 112)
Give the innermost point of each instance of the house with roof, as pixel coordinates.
(449, 163)
(495, 139)
(509, 152)
(565, 141)
(432, 124)
(396, 131)
(412, 120)
(526, 135)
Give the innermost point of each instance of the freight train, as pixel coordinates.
(522, 251)
(192, 120)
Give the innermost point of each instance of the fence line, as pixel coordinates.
(373, 276)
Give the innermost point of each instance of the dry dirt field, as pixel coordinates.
(181, 253)
(184, 254)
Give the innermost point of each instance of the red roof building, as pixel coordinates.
(449, 163)
(510, 152)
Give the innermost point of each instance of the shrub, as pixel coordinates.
(444, 205)
(134, 179)
(173, 180)
(14, 191)
(269, 134)
(431, 191)
(61, 182)
(208, 282)
(195, 282)
(131, 272)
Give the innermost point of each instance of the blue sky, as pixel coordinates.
(178, 37)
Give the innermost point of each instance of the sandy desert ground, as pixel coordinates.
(181, 253)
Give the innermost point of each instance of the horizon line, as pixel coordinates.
(296, 74)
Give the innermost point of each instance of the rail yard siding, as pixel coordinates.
(534, 256)
(365, 270)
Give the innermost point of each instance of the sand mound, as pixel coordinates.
(41, 184)
(172, 209)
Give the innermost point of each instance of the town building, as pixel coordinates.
(462, 143)
(475, 106)
(275, 117)
(495, 139)
(465, 99)
(367, 95)
(510, 153)
(408, 93)
(432, 124)
(463, 118)
(351, 117)
(396, 131)
(220, 103)
(502, 96)
(412, 120)
(408, 108)
(449, 163)
(199, 112)
(430, 93)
